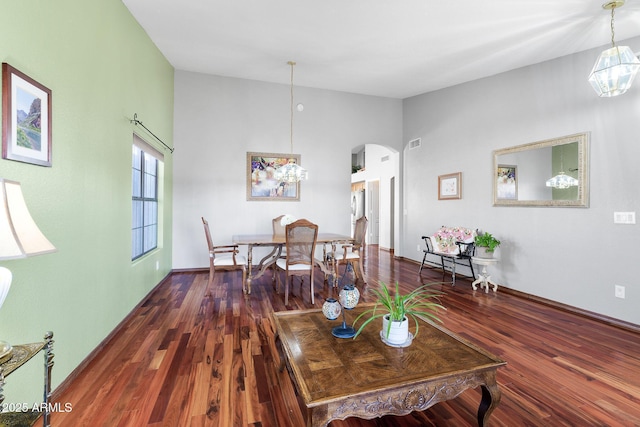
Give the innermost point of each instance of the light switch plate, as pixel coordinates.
(624, 217)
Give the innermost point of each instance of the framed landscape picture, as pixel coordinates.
(261, 182)
(449, 186)
(26, 118)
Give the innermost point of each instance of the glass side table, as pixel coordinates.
(484, 279)
(20, 414)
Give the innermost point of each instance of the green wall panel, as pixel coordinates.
(101, 68)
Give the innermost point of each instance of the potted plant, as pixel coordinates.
(486, 244)
(396, 310)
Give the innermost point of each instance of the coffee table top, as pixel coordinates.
(326, 368)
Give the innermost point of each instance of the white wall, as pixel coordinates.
(218, 120)
(571, 255)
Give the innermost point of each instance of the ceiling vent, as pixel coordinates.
(416, 143)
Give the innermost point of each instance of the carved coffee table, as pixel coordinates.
(365, 378)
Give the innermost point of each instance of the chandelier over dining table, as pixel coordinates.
(291, 172)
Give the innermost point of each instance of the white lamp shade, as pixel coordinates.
(19, 235)
(614, 71)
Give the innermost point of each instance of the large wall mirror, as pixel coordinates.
(554, 172)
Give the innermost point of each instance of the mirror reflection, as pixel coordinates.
(545, 173)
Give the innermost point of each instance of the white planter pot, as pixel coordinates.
(481, 252)
(399, 333)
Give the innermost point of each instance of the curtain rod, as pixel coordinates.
(138, 122)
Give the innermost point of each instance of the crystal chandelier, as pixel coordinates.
(616, 67)
(291, 172)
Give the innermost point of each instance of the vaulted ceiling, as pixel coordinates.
(377, 47)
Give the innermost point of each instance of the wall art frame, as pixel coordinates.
(26, 118)
(450, 186)
(261, 183)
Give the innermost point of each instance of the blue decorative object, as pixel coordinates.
(349, 297)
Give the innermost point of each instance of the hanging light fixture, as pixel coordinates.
(291, 172)
(616, 67)
(561, 180)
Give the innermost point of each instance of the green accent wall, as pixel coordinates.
(101, 68)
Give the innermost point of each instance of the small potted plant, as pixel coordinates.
(396, 310)
(485, 245)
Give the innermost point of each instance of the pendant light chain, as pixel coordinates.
(613, 43)
(292, 63)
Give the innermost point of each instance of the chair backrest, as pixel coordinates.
(207, 233)
(360, 232)
(301, 238)
(278, 228)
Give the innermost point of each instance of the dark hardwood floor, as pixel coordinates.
(193, 356)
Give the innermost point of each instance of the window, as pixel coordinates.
(144, 218)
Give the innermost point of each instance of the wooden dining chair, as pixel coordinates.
(301, 237)
(278, 231)
(224, 257)
(353, 252)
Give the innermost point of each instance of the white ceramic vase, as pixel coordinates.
(399, 333)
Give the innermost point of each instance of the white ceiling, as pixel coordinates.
(391, 48)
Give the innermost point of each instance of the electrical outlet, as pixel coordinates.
(419, 248)
(619, 291)
(157, 265)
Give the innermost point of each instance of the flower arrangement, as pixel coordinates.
(446, 238)
(287, 219)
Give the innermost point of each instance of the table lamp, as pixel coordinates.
(20, 237)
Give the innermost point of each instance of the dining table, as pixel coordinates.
(327, 264)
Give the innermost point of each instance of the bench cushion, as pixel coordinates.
(444, 240)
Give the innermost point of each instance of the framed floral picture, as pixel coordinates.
(26, 118)
(449, 186)
(261, 181)
(507, 182)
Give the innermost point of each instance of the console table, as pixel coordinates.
(21, 414)
(365, 378)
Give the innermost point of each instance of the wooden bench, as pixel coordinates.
(454, 245)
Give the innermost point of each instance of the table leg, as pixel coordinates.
(482, 279)
(334, 265)
(247, 287)
(490, 399)
(495, 285)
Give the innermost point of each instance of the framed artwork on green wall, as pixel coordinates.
(26, 118)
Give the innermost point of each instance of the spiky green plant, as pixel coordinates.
(422, 301)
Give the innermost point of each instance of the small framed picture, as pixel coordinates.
(449, 186)
(507, 182)
(26, 118)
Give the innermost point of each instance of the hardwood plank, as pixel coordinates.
(192, 356)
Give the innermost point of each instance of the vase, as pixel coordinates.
(481, 252)
(331, 308)
(398, 334)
